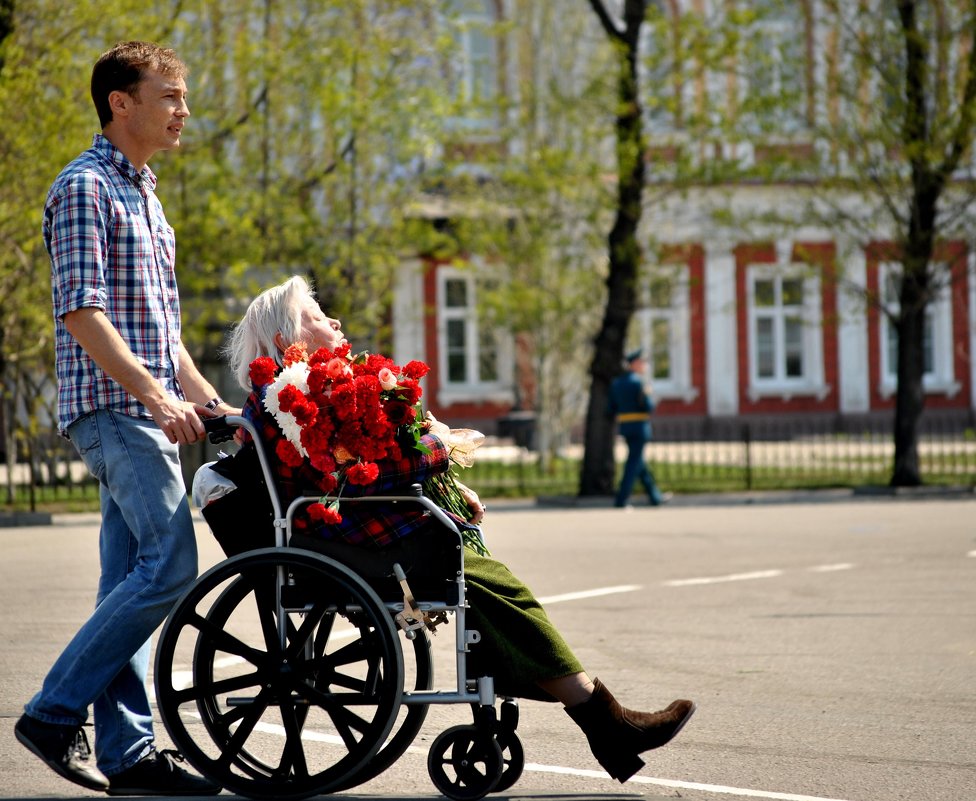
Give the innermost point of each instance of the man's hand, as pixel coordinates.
(179, 420)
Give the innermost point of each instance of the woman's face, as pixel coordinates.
(319, 331)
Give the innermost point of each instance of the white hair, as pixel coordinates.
(277, 310)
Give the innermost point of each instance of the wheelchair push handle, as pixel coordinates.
(218, 429)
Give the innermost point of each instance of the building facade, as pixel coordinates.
(753, 322)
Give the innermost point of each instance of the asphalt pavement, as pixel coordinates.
(828, 639)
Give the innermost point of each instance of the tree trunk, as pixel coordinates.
(914, 296)
(597, 473)
(910, 397)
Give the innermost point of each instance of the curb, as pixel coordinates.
(18, 519)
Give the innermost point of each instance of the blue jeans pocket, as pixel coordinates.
(84, 435)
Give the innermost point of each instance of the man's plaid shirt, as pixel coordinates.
(377, 523)
(111, 249)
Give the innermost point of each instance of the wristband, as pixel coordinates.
(213, 403)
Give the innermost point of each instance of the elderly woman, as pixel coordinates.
(520, 647)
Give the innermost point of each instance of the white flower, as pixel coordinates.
(296, 375)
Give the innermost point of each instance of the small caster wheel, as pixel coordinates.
(513, 760)
(464, 764)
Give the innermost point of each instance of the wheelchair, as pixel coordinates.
(298, 652)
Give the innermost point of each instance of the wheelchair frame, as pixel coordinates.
(294, 672)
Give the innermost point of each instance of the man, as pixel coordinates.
(632, 405)
(128, 395)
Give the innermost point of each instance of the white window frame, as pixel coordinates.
(941, 378)
(811, 382)
(472, 389)
(679, 384)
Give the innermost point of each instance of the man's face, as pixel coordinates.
(159, 112)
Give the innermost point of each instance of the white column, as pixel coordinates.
(408, 312)
(721, 336)
(853, 365)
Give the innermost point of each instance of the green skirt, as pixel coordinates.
(519, 644)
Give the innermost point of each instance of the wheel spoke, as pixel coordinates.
(249, 720)
(205, 688)
(293, 756)
(300, 637)
(220, 640)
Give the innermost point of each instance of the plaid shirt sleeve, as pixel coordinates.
(77, 220)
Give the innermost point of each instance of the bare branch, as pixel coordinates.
(609, 23)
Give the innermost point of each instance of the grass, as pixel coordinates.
(81, 497)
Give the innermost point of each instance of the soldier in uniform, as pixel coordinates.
(631, 405)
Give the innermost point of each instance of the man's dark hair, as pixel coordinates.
(123, 67)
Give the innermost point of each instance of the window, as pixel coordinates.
(785, 336)
(473, 76)
(937, 345)
(476, 361)
(664, 327)
(774, 91)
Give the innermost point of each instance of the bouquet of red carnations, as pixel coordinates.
(344, 412)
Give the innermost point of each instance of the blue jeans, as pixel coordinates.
(148, 557)
(635, 469)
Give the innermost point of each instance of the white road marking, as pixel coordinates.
(759, 574)
(971, 553)
(708, 788)
(831, 568)
(576, 596)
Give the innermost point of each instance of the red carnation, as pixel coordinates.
(326, 515)
(318, 379)
(363, 473)
(321, 356)
(288, 453)
(289, 396)
(315, 438)
(376, 362)
(262, 371)
(399, 413)
(305, 413)
(344, 401)
(416, 369)
(327, 483)
(409, 391)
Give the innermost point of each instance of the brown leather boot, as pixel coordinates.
(617, 735)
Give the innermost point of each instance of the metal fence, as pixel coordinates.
(746, 456)
(686, 457)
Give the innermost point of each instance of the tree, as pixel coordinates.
(867, 110)
(310, 122)
(624, 251)
(906, 151)
(532, 206)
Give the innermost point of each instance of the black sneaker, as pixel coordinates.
(65, 749)
(160, 773)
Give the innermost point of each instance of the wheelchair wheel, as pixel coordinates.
(513, 760)
(411, 720)
(464, 763)
(297, 674)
